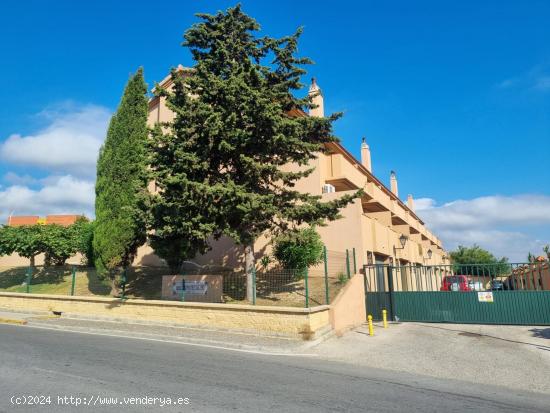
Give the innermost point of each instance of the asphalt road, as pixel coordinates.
(95, 369)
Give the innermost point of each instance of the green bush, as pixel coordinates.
(299, 249)
(57, 242)
(342, 278)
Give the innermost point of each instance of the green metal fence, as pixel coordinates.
(501, 293)
(318, 285)
(60, 280)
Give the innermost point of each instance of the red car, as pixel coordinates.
(455, 283)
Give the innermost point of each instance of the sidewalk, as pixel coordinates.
(511, 356)
(7, 317)
(243, 341)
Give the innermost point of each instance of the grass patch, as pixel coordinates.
(273, 289)
(53, 280)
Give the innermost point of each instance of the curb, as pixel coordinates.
(44, 317)
(135, 321)
(12, 321)
(227, 345)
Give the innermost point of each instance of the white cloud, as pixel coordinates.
(508, 83)
(543, 83)
(69, 144)
(504, 225)
(67, 148)
(537, 78)
(15, 179)
(63, 195)
(423, 203)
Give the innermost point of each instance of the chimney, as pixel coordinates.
(317, 99)
(393, 183)
(410, 202)
(365, 155)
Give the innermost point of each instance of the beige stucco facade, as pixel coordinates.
(372, 224)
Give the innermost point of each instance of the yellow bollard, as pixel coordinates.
(385, 318)
(371, 328)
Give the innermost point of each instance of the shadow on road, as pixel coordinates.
(545, 333)
(541, 333)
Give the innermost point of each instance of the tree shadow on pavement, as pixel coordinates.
(541, 333)
(461, 332)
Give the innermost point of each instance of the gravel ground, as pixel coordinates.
(512, 356)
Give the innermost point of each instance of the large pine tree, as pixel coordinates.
(122, 177)
(237, 123)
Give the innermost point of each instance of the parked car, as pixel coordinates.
(455, 283)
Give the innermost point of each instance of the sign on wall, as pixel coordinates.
(202, 288)
(189, 287)
(485, 297)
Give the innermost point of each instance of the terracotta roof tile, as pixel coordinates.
(65, 220)
(23, 220)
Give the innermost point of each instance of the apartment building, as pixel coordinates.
(379, 225)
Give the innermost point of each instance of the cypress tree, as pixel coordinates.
(121, 185)
(237, 123)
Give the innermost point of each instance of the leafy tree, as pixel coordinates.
(477, 261)
(533, 258)
(82, 232)
(299, 249)
(181, 215)
(121, 186)
(7, 240)
(58, 244)
(27, 241)
(237, 123)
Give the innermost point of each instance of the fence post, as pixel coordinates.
(73, 281)
(327, 296)
(253, 285)
(182, 284)
(347, 264)
(541, 276)
(390, 288)
(306, 276)
(123, 279)
(354, 262)
(29, 278)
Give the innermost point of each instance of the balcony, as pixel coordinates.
(342, 174)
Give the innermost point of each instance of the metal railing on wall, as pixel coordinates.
(315, 286)
(458, 277)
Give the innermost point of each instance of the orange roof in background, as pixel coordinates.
(23, 220)
(64, 220)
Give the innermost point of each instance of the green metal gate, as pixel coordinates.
(476, 293)
(378, 294)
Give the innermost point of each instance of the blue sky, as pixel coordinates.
(454, 96)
